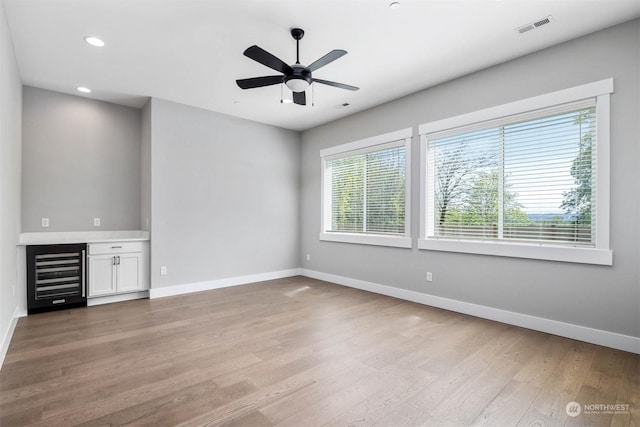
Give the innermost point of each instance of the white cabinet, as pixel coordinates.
(102, 279)
(118, 267)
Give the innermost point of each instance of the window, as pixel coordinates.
(527, 179)
(366, 191)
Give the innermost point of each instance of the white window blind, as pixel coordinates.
(528, 177)
(366, 191)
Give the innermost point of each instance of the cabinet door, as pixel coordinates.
(102, 280)
(129, 272)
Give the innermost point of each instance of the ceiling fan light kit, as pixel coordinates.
(296, 77)
(300, 80)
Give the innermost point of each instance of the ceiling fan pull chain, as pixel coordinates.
(313, 96)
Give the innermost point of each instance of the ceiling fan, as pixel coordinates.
(297, 77)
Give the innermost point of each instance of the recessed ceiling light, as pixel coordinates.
(83, 89)
(94, 41)
(394, 6)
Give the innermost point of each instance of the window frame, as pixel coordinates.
(601, 254)
(375, 143)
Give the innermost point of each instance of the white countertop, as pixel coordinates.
(57, 237)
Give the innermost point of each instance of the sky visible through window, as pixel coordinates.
(538, 156)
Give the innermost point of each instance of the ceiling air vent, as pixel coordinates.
(542, 22)
(526, 28)
(534, 25)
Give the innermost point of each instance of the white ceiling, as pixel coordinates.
(190, 51)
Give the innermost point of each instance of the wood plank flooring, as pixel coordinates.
(302, 352)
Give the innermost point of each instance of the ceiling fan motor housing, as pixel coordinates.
(299, 80)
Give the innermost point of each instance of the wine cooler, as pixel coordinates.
(56, 277)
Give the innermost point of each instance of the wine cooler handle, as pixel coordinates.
(84, 275)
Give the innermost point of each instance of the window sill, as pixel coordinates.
(368, 239)
(521, 250)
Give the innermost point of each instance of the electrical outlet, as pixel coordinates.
(163, 270)
(45, 222)
(308, 257)
(429, 276)
(96, 222)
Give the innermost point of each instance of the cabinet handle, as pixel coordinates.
(84, 274)
(116, 247)
(118, 260)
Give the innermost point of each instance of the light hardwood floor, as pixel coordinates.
(301, 352)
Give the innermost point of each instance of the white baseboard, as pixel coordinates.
(568, 330)
(116, 298)
(220, 283)
(6, 340)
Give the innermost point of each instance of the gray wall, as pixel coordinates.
(600, 297)
(145, 169)
(224, 196)
(81, 159)
(10, 164)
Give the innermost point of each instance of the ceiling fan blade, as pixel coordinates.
(300, 98)
(328, 58)
(265, 58)
(259, 81)
(335, 84)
